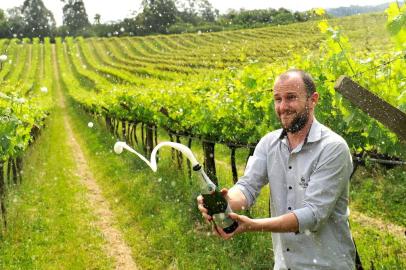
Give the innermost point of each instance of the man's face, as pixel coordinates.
(292, 105)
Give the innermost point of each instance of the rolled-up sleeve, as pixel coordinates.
(255, 175)
(327, 183)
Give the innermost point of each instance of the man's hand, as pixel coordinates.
(203, 210)
(284, 223)
(244, 224)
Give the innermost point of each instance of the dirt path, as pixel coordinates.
(116, 246)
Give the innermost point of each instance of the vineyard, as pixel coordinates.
(210, 91)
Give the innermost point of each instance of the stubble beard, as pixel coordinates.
(299, 122)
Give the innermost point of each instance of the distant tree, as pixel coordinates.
(284, 16)
(38, 20)
(187, 12)
(15, 22)
(97, 18)
(258, 17)
(196, 11)
(157, 15)
(206, 11)
(300, 16)
(75, 17)
(3, 25)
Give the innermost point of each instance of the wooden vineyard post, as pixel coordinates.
(209, 161)
(179, 155)
(2, 196)
(108, 124)
(189, 164)
(149, 140)
(15, 171)
(172, 149)
(19, 163)
(135, 132)
(374, 106)
(123, 130)
(233, 164)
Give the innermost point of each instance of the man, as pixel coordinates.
(307, 167)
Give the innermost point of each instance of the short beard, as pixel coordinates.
(298, 122)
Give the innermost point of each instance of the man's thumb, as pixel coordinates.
(224, 191)
(234, 216)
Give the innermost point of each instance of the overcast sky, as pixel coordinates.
(114, 10)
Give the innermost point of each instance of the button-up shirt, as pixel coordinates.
(312, 181)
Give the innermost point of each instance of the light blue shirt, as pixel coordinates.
(312, 181)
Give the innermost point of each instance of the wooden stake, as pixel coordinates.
(374, 106)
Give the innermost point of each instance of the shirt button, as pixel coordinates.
(289, 208)
(287, 249)
(290, 187)
(290, 167)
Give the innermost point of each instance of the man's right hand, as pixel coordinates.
(203, 210)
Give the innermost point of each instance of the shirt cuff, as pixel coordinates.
(305, 218)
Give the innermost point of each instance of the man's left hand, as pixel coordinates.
(244, 224)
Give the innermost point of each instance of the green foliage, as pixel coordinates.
(3, 23)
(250, 18)
(397, 24)
(157, 15)
(75, 17)
(38, 20)
(232, 104)
(23, 106)
(15, 23)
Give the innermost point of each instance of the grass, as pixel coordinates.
(378, 249)
(380, 193)
(49, 222)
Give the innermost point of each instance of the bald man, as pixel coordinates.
(307, 167)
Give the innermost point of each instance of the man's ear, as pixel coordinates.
(315, 98)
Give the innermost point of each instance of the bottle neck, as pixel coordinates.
(207, 186)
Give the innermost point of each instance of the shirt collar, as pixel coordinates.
(315, 131)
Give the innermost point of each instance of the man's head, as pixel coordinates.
(295, 98)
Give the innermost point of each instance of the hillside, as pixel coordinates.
(353, 10)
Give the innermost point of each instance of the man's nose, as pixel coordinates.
(283, 105)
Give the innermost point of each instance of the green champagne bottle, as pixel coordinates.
(215, 203)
